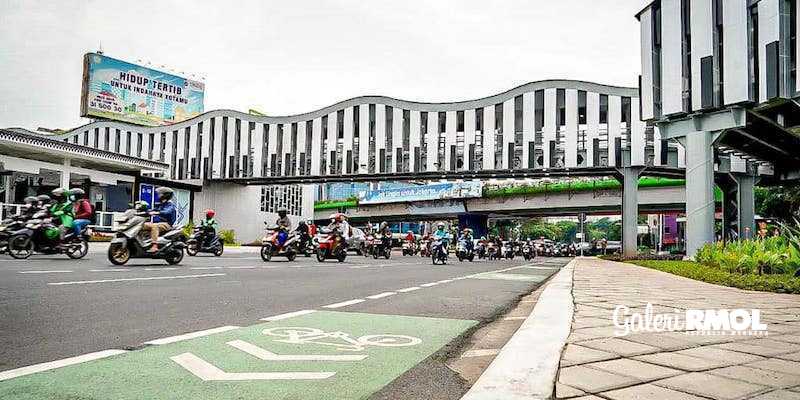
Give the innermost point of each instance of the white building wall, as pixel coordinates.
(380, 136)
(549, 123)
(397, 137)
(646, 34)
(508, 131)
(316, 138)
(414, 137)
(614, 121)
(527, 127)
(702, 23)
(432, 140)
(768, 31)
(735, 62)
(450, 137)
(592, 125)
(671, 60)
(488, 137)
(571, 147)
(363, 139)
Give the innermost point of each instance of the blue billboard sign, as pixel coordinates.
(436, 191)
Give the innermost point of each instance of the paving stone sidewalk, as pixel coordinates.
(596, 364)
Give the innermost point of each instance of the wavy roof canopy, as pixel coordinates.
(389, 101)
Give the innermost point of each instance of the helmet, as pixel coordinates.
(59, 194)
(440, 225)
(77, 193)
(282, 212)
(164, 193)
(302, 223)
(210, 213)
(30, 200)
(43, 198)
(411, 232)
(141, 206)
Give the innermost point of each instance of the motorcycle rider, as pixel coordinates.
(284, 225)
(82, 209)
(340, 227)
(164, 216)
(43, 202)
(303, 233)
(441, 234)
(466, 236)
(209, 226)
(61, 209)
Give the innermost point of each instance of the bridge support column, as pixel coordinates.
(65, 173)
(629, 177)
(699, 190)
(738, 205)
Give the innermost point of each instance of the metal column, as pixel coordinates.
(630, 209)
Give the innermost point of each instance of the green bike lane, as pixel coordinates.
(321, 355)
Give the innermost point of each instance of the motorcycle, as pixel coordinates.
(199, 242)
(425, 248)
(270, 245)
(492, 252)
(382, 247)
(409, 248)
(331, 244)
(508, 250)
(528, 253)
(305, 244)
(463, 251)
(367, 245)
(438, 251)
(8, 226)
(480, 250)
(128, 243)
(41, 235)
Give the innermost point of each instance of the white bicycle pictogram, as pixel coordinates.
(341, 340)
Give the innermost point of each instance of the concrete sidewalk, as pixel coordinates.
(674, 365)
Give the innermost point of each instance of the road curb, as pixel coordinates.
(527, 365)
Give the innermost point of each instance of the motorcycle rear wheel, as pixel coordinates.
(175, 257)
(80, 252)
(218, 252)
(320, 255)
(191, 249)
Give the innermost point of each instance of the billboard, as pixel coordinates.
(437, 191)
(121, 91)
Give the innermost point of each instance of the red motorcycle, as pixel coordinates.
(270, 245)
(331, 244)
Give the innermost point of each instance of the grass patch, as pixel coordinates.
(775, 283)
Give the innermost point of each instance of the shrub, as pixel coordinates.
(772, 255)
(643, 256)
(228, 236)
(694, 270)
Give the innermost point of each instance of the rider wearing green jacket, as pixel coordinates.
(61, 209)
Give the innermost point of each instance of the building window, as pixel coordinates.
(371, 161)
(656, 35)
(581, 107)
(686, 50)
(356, 137)
(459, 121)
(752, 25)
(289, 197)
(561, 107)
(389, 137)
(603, 108)
(538, 110)
(442, 141)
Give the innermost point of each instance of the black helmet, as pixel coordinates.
(77, 192)
(59, 194)
(164, 193)
(282, 212)
(43, 198)
(30, 200)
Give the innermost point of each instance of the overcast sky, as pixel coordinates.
(288, 57)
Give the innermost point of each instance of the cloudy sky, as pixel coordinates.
(288, 57)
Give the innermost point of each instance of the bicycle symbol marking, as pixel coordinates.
(342, 341)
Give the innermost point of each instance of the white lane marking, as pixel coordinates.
(287, 315)
(208, 372)
(344, 303)
(266, 355)
(110, 270)
(32, 369)
(206, 268)
(514, 318)
(44, 272)
(161, 269)
(480, 353)
(409, 289)
(150, 278)
(242, 267)
(191, 335)
(381, 295)
(445, 281)
(429, 284)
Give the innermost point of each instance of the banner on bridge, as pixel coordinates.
(437, 191)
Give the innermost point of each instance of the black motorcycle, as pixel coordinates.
(382, 247)
(128, 242)
(439, 251)
(41, 235)
(204, 240)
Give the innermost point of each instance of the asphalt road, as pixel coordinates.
(52, 307)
